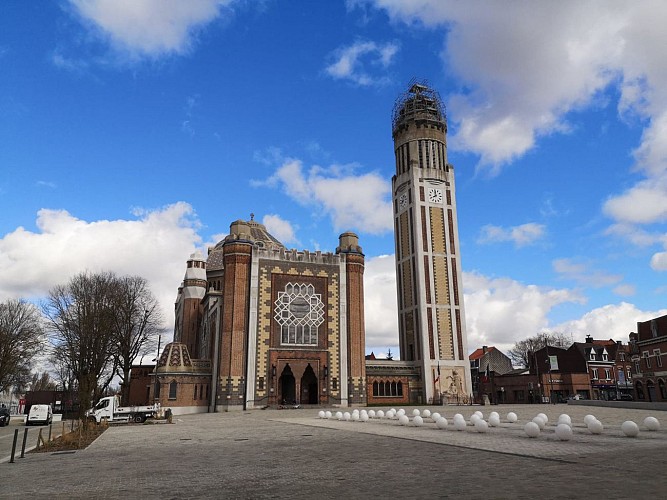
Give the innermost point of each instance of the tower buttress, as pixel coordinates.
(356, 334)
(188, 302)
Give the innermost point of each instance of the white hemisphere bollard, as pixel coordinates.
(481, 426)
(652, 423)
(531, 429)
(595, 427)
(511, 417)
(629, 428)
(564, 432)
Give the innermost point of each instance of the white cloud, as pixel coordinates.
(155, 245)
(280, 228)
(636, 235)
(625, 290)
(381, 313)
(526, 65)
(149, 27)
(358, 61)
(501, 311)
(584, 274)
(522, 235)
(613, 321)
(659, 261)
(644, 203)
(359, 202)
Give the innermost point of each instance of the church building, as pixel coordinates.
(261, 325)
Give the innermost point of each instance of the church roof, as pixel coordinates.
(259, 233)
(251, 231)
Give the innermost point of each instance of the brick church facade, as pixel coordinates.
(259, 325)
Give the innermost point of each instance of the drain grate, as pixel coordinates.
(241, 439)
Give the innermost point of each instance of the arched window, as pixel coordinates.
(386, 388)
(663, 390)
(640, 390)
(172, 390)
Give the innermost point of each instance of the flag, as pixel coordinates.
(487, 374)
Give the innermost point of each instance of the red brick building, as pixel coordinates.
(486, 363)
(648, 348)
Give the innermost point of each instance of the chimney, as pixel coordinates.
(484, 349)
(589, 339)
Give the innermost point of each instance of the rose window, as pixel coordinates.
(299, 311)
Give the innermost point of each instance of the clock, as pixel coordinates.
(403, 201)
(434, 195)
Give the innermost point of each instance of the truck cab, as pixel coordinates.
(103, 409)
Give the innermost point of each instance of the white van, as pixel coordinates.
(39, 415)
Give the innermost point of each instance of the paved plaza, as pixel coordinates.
(294, 454)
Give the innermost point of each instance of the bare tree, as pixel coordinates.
(523, 349)
(21, 339)
(80, 317)
(42, 382)
(137, 321)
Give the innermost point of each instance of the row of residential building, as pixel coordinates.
(593, 369)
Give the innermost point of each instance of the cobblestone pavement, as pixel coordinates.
(294, 454)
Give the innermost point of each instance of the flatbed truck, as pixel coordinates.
(109, 409)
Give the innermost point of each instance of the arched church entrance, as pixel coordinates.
(287, 385)
(309, 386)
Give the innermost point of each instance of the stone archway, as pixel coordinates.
(309, 387)
(287, 386)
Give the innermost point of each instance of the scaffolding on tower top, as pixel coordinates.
(419, 102)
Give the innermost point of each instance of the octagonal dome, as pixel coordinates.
(175, 358)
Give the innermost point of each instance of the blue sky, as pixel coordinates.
(133, 132)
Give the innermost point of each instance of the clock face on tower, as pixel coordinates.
(403, 201)
(434, 195)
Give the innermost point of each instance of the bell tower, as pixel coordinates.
(432, 330)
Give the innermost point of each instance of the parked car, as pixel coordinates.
(4, 417)
(39, 415)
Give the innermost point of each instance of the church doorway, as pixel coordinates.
(309, 386)
(287, 385)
